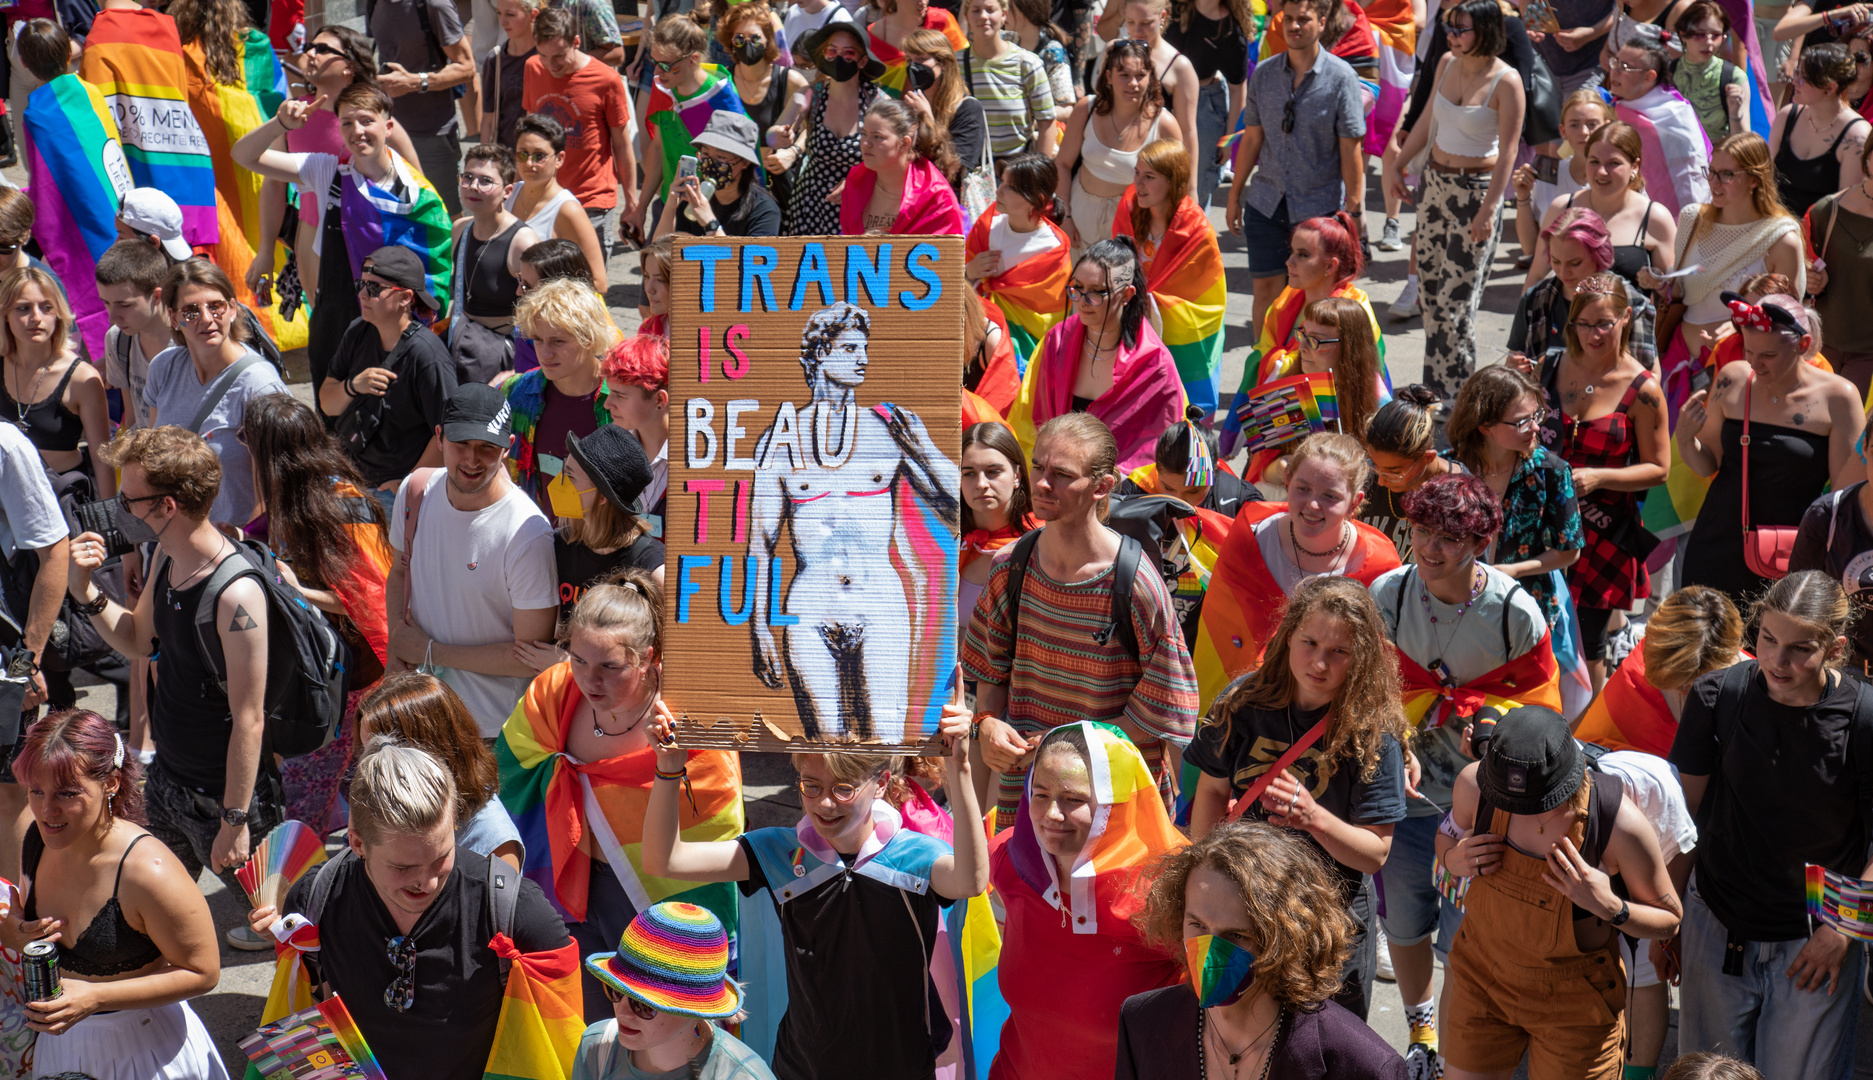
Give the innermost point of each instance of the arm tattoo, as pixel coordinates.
(242, 621)
(1723, 384)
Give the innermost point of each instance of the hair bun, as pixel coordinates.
(1419, 395)
(1194, 413)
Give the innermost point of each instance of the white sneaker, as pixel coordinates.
(1384, 972)
(1406, 305)
(1389, 240)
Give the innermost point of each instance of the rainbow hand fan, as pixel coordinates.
(278, 860)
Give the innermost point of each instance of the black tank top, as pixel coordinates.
(1804, 181)
(109, 945)
(1629, 259)
(767, 111)
(488, 290)
(190, 712)
(48, 424)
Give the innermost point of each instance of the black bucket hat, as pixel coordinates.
(615, 461)
(870, 67)
(1533, 763)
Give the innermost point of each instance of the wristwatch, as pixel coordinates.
(1625, 912)
(425, 82)
(233, 818)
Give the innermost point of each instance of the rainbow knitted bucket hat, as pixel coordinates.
(674, 958)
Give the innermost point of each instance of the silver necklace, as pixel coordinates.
(20, 404)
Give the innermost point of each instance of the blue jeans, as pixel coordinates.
(1413, 908)
(1760, 1015)
(1212, 125)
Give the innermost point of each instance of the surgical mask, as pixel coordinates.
(719, 173)
(922, 76)
(134, 528)
(565, 497)
(844, 69)
(751, 52)
(1220, 970)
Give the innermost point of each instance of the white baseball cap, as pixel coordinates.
(151, 211)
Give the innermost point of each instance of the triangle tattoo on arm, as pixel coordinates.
(242, 621)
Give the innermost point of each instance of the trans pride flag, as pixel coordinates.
(135, 60)
(1397, 36)
(77, 177)
(1185, 277)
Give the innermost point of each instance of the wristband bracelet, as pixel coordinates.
(92, 607)
(349, 389)
(680, 774)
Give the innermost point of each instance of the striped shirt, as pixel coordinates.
(1057, 673)
(1014, 93)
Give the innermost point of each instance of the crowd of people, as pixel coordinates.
(1226, 748)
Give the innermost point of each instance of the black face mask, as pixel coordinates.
(751, 52)
(843, 69)
(922, 76)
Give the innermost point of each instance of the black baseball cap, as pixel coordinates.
(1533, 763)
(477, 412)
(401, 267)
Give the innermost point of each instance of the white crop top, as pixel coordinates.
(1465, 130)
(1113, 166)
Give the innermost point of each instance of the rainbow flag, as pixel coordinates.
(550, 797)
(77, 176)
(1242, 605)
(1274, 350)
(895, 79)
(135, 60)
(1397, 36)
(542, 1014)
(291, 990)
(1630, 713)
(677, 123)
(976, 939)
(351, 1037)
(1184, 273)
(1842, 902)
(266, 79)
(1533, 678)
(1032, 295)
(373, 217)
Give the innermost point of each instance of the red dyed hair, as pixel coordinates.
(1339, 239)
(73, 743)
(1455, 504)
(641, 360)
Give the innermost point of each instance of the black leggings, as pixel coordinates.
(1593, 632)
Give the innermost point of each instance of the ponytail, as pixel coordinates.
(1118, 257)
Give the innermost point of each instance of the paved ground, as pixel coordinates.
(232, 1011)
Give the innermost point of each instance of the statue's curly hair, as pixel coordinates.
(825, 327)
(1298, 927)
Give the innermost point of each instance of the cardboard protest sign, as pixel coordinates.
(811, 529)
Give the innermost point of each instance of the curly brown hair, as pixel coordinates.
(219, 27)
(1300, 930)
(1367, 706)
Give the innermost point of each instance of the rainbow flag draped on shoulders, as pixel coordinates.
(1533, 678)
(77, 176)
(677, 123)
(536, 1035)
(1185, 277)
(374, 217)
(1032, 294)
(565, 811)
(1275, 348)
(1242, 605)
(135, 60)
(266, 78)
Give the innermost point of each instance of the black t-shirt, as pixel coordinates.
(579, 565)
(762, 217)
(448, 1032)
(412, 406)
(1782, 793)
(1258, 737)
(1848, 558)
(856, 1004)
(1384, 510)
(513, 85)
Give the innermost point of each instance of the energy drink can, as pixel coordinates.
(39, 969)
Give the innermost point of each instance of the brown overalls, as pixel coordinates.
(1517, 981)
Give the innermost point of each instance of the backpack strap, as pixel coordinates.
(207, 622)
(1602, 811)
(1508, 606)
(1124, 575)
(219, 389)
(1833, 512)
(413, 491)
(322, 884)
(1860, 746)
(503, 898)
(1017, 576)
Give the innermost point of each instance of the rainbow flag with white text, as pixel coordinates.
(77, 176)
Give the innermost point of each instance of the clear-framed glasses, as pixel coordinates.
(479, 182)
(214, 309)
(1630, 69)
(845, 793)
(1533, 420)
(400, 995)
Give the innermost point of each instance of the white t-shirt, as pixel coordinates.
(174, 395)
(1652, 783)
(798, 25)
(128, 373)
(29, 514)
(1018, 247)
(470, 572)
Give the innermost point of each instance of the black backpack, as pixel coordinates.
(308, 660)
(1124, 571)
(503, 896)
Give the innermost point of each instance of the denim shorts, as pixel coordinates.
(1414, 910)
(1267, 240)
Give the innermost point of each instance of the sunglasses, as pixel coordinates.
(400, 995)
(1454, 31)
(638, 1008)
(1287, 118)
(743, 39)
(320, 48)
(839, 52)
(213, 308)
(664, 66)
(532, 157)
(375, 289)
(1313, 342)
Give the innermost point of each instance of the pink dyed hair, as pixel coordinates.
(74, 743)
(1586, 228)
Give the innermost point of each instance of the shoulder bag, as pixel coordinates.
(1767, 548)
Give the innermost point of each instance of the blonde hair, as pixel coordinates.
(1588, 96)
(1695, 631)
(12, 285)
(1095, 442)
(1333, 448)
(626, 604)
(571, 306)
(399, 789)
(1751, 154)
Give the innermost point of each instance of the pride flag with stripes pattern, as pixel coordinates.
(1275, 348)
(1396, 33)
(1032, 294)
(542, 1014)
(1184, 273)
(77, 176)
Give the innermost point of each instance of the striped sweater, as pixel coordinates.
(1058, 674)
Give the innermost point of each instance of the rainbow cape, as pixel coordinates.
(1532, 678)
(553, 800)
(1630, 713)
(1674, 143)
(1397, 36)
(1242, 605)
(677, 123)
(1098, 943)
(135, 60)
(1001, 382)
(1032, 295)
(1146, 395)
(1185, 277)
(977, 410)
(542, 1014)
(1275, 349)
(77, 176)
(374, 217)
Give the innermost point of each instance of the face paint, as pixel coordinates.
(565, 497)
(1220, 970)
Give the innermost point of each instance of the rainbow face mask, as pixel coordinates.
(1220, 970)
